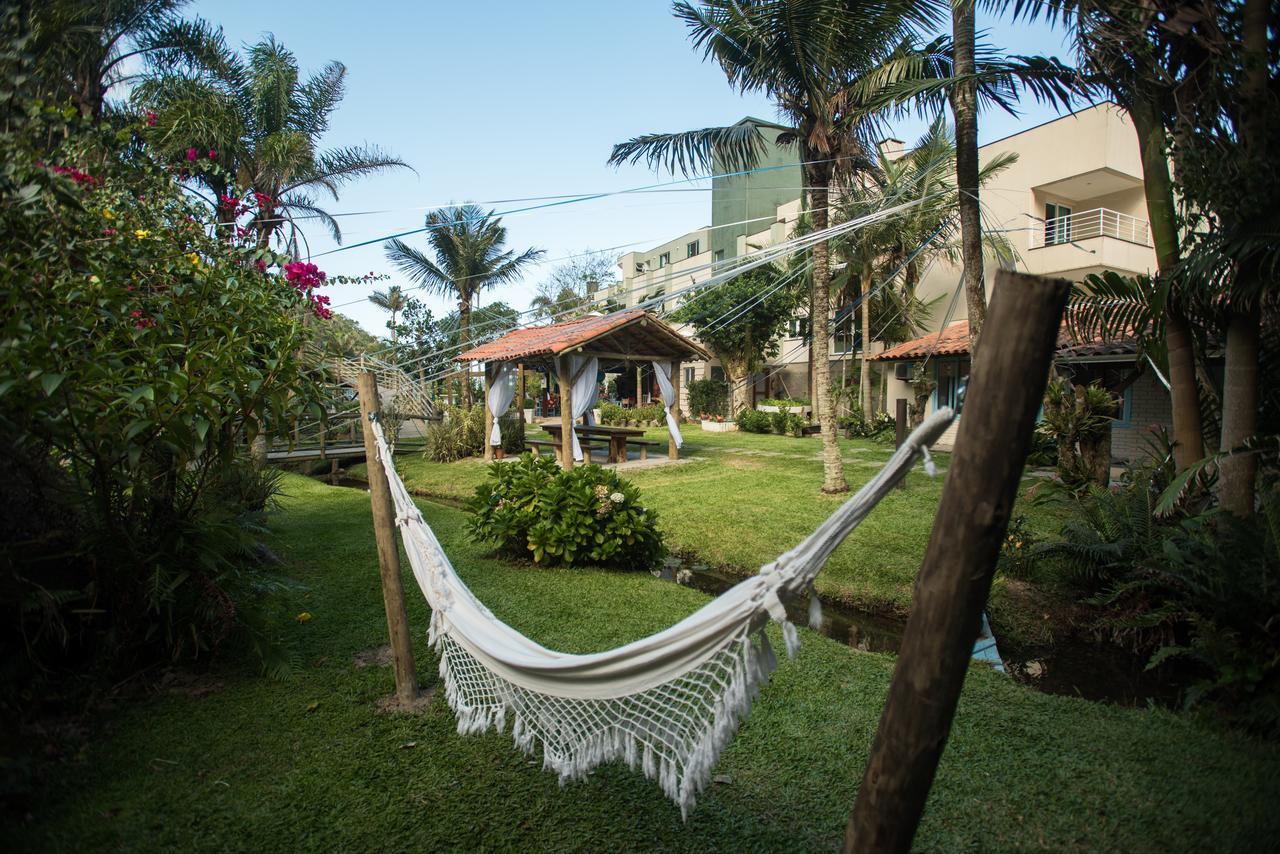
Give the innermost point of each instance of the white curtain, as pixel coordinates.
(669, 397)
(585, 391)
(501, 392)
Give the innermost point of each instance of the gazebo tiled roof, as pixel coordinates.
(633, 331)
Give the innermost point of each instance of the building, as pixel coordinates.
(1071, 204)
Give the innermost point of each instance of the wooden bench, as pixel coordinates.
(644, 447)
(587, 447)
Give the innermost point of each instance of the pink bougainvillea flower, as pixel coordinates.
(261, 265)
(109, 232)
(213, 154)
(192, 154)
(151, 119)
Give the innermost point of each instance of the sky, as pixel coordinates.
(495, 100)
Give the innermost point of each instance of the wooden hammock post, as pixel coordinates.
(384, 531)
(1005, 392)
(566, 414)
(900, 429)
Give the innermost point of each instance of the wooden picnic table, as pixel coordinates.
(617, 437)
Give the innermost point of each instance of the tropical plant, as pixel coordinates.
(391, 300)
(470, 252)
(586, 515)
(135, 376)
(824, 64)
(262, 123)
(896, 251)
(82, 50)
(741, 320)
(1078, 418)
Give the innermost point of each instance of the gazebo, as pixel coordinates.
(575, 351)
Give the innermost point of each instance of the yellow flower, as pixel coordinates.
(195, 259)
(304, 617)
(106, 214)
(141, 233)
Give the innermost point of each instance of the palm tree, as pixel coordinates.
(822, 62)
(926, 174)
(82, 49)
(392, 300)
(470, 252)
(264, 123)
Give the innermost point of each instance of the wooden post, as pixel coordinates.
(488, 413)
(384, 531)
(639, 398)
(566, 414)
(900, 429)
(673, 453)
(520, 389)
(1005, 392)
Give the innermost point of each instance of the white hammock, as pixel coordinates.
(668, 703)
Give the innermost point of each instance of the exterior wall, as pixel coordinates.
(1146, 408)
(742, 204)
(682, 270)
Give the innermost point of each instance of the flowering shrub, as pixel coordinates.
(587, 515)
(142, 351)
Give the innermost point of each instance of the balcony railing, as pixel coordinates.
(1099, 222)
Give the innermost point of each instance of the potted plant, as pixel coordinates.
(713, 423)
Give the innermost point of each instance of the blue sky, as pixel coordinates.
(501, 99)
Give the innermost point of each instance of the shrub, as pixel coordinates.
(709, 396)
(141, 356)
(878, 427)
(460, 434)
(586, 515)
(754, 421)
(1018, 551)
(785, 401)
(611, 413)
(1078, 419)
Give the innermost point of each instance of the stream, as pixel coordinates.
(1076, 668)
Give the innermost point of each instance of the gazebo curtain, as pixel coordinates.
(585, 391)
(501, 392)
(668, 397)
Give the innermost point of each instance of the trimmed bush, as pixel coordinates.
(754, 421)
(586, 515)
(709, 397)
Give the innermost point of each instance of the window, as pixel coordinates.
(694, 248)
(719, 256)
(798, 327)
(953, 378)
(690, 374)
(717, 373)
(664, 259)
(1057, 224)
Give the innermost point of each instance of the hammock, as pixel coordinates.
(668, 703)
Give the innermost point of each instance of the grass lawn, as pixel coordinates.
(247, 763)
(744, 498)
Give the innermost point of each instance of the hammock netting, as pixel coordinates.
(667, 704)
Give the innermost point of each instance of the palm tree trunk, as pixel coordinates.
(1184, 397)
(832, 466)
(464, 340)
(964, 105)
(1240, 385)
(864, 308)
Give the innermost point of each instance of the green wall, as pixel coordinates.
(746, 197)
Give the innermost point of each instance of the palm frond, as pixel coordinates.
(733, 149)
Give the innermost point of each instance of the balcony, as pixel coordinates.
(1085, 225)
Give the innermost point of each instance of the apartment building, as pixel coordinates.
(1071, 204)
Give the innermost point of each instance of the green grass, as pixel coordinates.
(741, 499)
(306, 764)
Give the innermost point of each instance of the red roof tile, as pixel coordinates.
(952, 341)
(557, 337)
